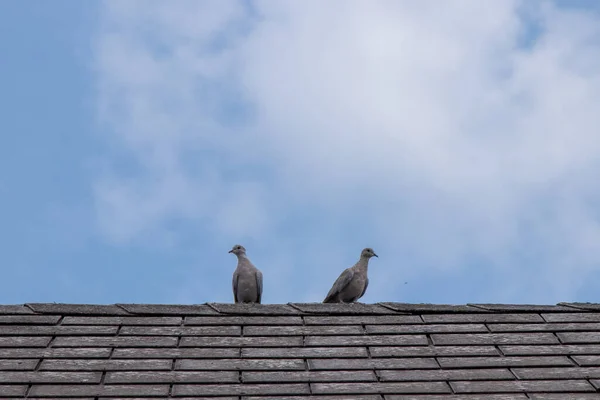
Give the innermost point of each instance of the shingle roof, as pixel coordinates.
(388, 351)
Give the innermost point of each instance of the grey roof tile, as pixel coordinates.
(18, 365)
(381, 387)
(76, 309)
(431, 308)
(557, 373)
(579, 337)
(562, 385)
(564, 396)
(511, 396)
(528, 308)
(387, 351)
(81, 352)
(582, 306)
(493, 338)
(244, 320)
(321, 330)
(586, 361)
(29, 319)
(168, 309)
(312, 397)
(241, 390)
(491, 362)
(548, 327)
(29, 377)
(367, 340)
(228, 330)
(241, 364)
(375, 363)
(481, 318)
(304, 352)
(572, 317)
(106, 365)
(99, 390)
(24, 341)
(433, 351)
(173, 377)
(62, 330)
(256, 341)
(146, 321)
(342, 308)
(363, 319)
(427, 328)
(114, 341)
(13, 390)
(308, 376)
(15, 309)
(254, 309)
(171, 352)
(567, 349)
(445, 375)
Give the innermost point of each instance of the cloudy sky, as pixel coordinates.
(141, 140)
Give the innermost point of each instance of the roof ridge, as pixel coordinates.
(290, 309)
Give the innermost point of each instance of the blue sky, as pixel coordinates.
(142, 140)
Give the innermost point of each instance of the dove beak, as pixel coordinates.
(230, 251)
(375, 255)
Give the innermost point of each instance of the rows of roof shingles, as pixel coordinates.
(390, 350)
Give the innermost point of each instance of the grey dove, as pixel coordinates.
(247, 279)
(352, 284)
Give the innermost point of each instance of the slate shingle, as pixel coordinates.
(387, 351)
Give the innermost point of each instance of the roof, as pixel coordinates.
(384, 351)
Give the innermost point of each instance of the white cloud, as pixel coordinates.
(450, 133)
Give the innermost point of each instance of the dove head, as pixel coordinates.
(238, 250)
(368, 253)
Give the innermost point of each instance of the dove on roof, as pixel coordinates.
(352, 284)
(247, 279)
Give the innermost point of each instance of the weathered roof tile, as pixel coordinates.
(481, 318)
(579, 337)
(18, 365)
(114, 341)
(342, 308)
(241, 390)
(254, 309)
(168, 309)
(99, 390)
(490, 362)
(173, 377)
(375, 363)
(146, 321)
(522, 386)
(308, 376)
(15, 309)
(49, 377)
(241, 364)
(76, 309)
(433, 351)
(29, 319)
(106, 365)
(582, 306)
(367, 340)
(381, 387)
(431, 308)
(13, 390)
(493, 338)
(445, 375)
(363, 319)
(243, 320)
(305, 352)
(527, 308)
